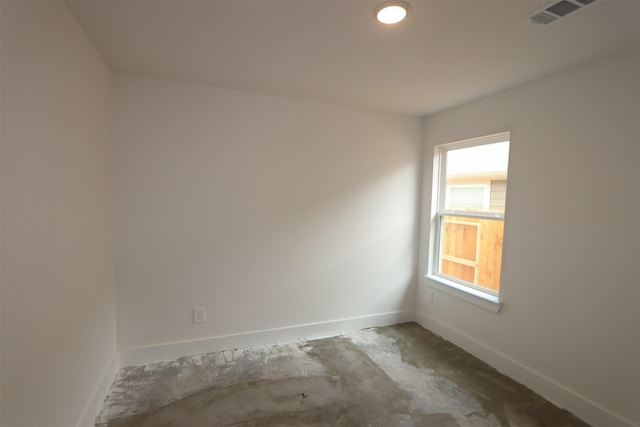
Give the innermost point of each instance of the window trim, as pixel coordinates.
(475, 294)
(479, 298)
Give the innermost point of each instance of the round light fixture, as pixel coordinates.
(392, 12)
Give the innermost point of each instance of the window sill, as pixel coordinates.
(470, 295)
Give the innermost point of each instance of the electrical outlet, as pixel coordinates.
(429, 296)
(199, 314)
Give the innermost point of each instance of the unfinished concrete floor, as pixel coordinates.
(399, 375)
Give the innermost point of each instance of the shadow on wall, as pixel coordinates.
(269, 211)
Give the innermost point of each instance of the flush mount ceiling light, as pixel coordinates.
(392, 12)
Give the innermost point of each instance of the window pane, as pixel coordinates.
(471, 250)
(470, 170)
(462, 197)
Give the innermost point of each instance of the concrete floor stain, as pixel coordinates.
(397, 376)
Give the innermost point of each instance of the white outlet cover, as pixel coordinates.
(199, 315)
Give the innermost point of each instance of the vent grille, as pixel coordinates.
(543, 18)
(563, 8)
(556, 10)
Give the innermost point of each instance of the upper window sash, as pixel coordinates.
(440, 164)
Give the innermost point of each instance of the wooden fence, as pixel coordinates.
(472, 250)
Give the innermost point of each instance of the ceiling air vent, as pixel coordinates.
(543, 17)
(556, 10)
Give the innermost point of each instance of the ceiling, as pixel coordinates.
(445, 53)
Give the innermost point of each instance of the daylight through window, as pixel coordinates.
(470, 179)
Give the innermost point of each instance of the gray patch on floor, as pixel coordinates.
(400, 375)
(138, 389)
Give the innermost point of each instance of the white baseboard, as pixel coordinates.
(100, 393)
(582, 407)
(155, 353)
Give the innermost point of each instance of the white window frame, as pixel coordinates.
(475, 294)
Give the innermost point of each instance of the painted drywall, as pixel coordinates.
(570, 280)
(58, 262)
(269, 212)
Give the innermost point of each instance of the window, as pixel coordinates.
(470, 186)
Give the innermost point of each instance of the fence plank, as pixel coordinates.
(463, 238)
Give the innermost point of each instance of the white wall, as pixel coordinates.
(274, 212)
(569, 327)
(270, 212)
(58, 292)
